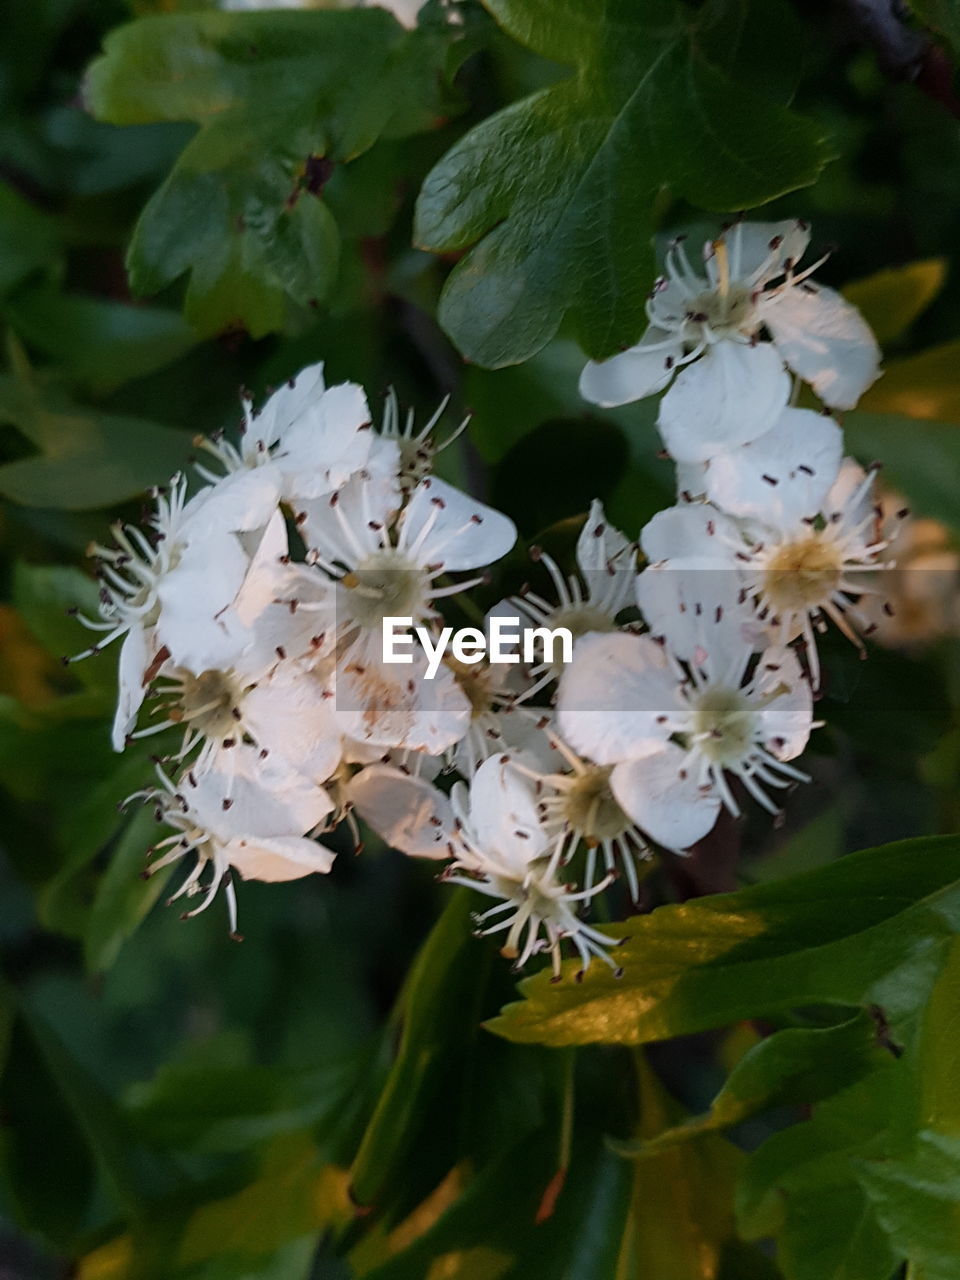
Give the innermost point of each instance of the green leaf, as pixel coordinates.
(915, 1198)
(46, 596)
(557, 191)
(207, 1106)
(39, 1122)
(102, 342)
(795, 1067)
(440, 999)
(54, 1109)
(873, 1178)
(294, 1193)
(87, 458)
(122, 897)
(892, 299)
(280, 98)
(30, 240)
(871, 928)
(942, 15)
(505, 1225)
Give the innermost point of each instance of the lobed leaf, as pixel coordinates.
(557, 192)
(281, 98)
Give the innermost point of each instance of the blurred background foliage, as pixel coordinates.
(322, 1100)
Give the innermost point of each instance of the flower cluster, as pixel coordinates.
(253, 611)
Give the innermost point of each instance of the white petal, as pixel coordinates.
(617, 699)
(732, 394)
(843, 499)
(278, 858)
(607, 562)
(347, 526)
(690, 595)
(135, 656)
(194, 594)
(668, 806)
(701, 614)
(826, 340)
(284, 406)
(250, 798)
(525, 737)
(693, 532)
(784, 475)
(291, 716)
(754, 245)
(327, 443)
(787, 718)
(691, 480)
(396, 706)
(259, 587)
(442, 526)
(632, 374)
(407, 812)
(505, 822)
(240, 501)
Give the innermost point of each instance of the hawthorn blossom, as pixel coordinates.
(229, 828)
(792, 573)
(492, 690)
(380, 565)
(706, 337)
(305, 442)
(578, 807)
(692, 591)
(673, 739)
(162, 589)
(510, 854)
(591, 599)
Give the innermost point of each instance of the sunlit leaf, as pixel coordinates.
(893, 298)
(836, 935)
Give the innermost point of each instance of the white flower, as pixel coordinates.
(577, 806)
(673, 738)
(706, 336)
(282, 715)
(305, 442)
(590, 600)
(163, 590)
(791, 572)
(378, 567)
(509, 853)
(232, 828)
